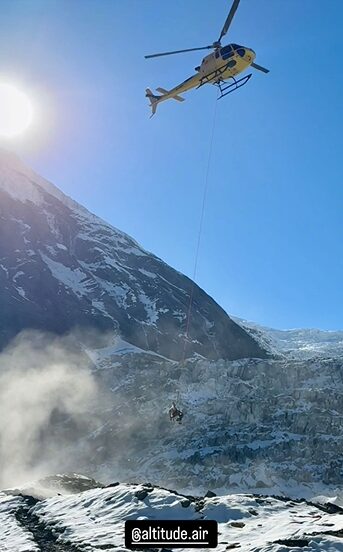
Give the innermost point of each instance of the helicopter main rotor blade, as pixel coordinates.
(229, 19)
(179, 52)
(259, 68)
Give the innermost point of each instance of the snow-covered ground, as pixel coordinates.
(121, 348)
(13, 536)
(93, 520)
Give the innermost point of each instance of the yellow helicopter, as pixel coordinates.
(222, 65)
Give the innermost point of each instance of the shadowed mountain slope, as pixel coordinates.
(62, 268)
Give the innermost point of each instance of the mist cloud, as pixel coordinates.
(47, 403)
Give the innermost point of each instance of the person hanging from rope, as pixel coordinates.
(175, 414)
(173, 411)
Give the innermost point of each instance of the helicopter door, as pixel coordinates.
(208, 64)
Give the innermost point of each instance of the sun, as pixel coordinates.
(16, 111)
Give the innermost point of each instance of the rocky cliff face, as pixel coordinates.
(248, 424)
(62, 267)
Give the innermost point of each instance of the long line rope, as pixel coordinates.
(196, 259)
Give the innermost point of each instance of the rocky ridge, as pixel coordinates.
(62, 268)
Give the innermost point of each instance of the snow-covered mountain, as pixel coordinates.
(252, 421)
(63, 268)
(296, 343)
(93, 519)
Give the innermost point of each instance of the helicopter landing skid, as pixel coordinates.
(226, 88)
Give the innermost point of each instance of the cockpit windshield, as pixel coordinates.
(226, 52)
(239, 49)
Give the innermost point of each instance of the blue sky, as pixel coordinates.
(271, 248)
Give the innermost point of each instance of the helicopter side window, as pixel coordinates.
(241, 52)
(226, 52)
(216, 54)
(231, 63)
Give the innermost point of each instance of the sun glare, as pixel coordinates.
(15, 111)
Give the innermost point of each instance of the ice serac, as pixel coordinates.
(62, 267)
